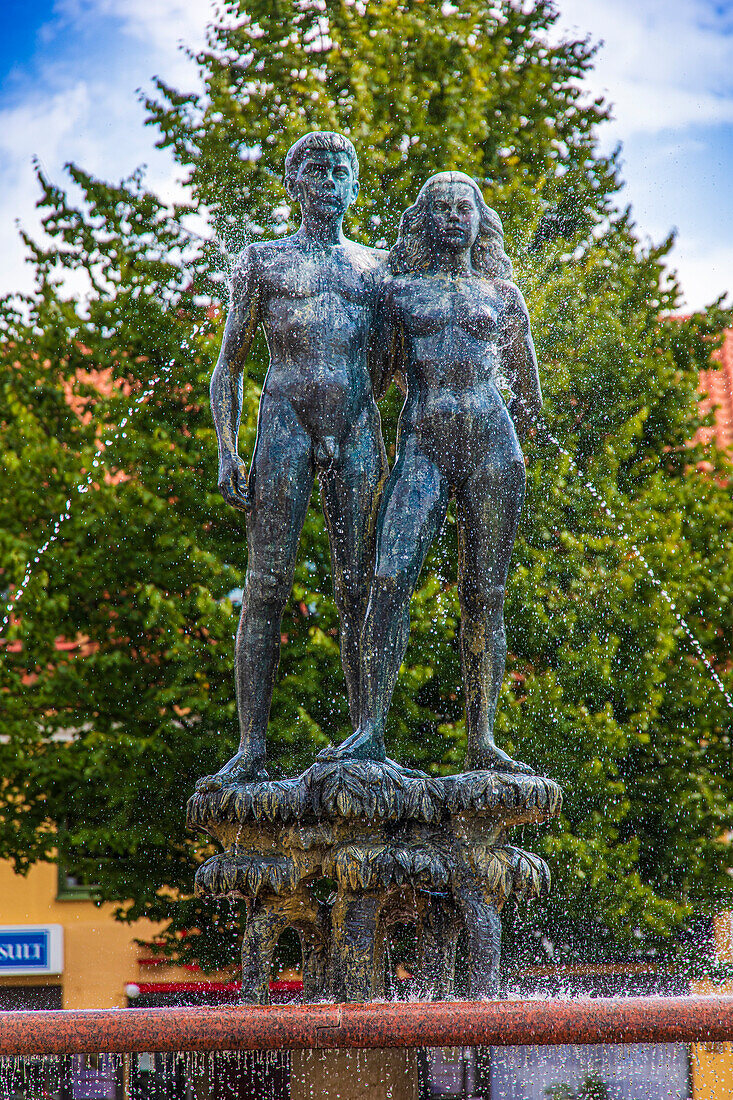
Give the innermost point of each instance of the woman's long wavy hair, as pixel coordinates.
(412, 253)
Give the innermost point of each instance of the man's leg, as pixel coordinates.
(281, 483)
(350, 492)
(488, 508)
(412, 513)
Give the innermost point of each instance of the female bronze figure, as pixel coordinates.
(457, 328)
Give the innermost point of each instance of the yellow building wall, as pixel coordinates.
(100, 953)
(711, 1064)
(711, 1067)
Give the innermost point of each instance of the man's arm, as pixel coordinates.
(386, 356)
(228, 378)
(519, 361)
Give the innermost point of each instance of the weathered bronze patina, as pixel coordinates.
(357, 844)
(314, 293)
(391, 848)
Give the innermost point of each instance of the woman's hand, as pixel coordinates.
(233, 482)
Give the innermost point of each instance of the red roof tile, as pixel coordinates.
(718, 385)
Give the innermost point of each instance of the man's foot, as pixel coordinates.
(490, 758)
(242, 768)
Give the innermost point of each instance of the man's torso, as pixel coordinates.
(317, 309)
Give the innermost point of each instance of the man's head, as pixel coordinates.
(322, 173)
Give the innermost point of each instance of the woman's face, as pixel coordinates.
(452, 216)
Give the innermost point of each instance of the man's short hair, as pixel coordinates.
(320, 139)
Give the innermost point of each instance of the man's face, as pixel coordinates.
(452, 216)
(324, 183)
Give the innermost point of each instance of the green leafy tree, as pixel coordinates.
(603, 690)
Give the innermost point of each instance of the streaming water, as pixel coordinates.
(621, 529)
(85, 485)
(648, 1071)
(188, 1075)
(165, 373)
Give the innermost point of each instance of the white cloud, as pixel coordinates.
(159, 25)
(662, 64)
(58, 118)
(61, 110)
(706, 271)
(649, 106)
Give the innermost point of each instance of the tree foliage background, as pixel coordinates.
(117, 689)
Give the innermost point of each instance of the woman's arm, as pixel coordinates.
(519, 360)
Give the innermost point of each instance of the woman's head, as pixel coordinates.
(450, 213)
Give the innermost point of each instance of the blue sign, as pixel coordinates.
(26, 949)
(31, 949)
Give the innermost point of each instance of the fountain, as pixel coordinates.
(357, 843)
(396, 849)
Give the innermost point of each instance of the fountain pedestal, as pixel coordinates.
(349, 848)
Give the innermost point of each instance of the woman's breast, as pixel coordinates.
(452, 315)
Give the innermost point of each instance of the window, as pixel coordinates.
(72, 886)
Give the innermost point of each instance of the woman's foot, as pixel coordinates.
(363, 744)
(366, 744)
(409, 773)
(490, 758)
(242, 768)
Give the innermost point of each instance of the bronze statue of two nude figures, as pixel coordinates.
(440, 315)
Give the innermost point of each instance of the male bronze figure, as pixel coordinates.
(314, 293)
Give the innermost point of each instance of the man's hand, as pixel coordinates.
(233, 482)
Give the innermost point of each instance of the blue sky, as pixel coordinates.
(70, 69)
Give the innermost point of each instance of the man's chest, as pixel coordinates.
(308, 278)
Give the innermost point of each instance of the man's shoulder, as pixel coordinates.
(264, 252)
(370, 259)
(376, 255)
(261, 262)
(284, 247)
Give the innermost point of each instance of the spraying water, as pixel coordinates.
(620, 527)
(85, 485)
(166, 370)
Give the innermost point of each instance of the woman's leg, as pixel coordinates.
(488, 508)
(411, 515)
